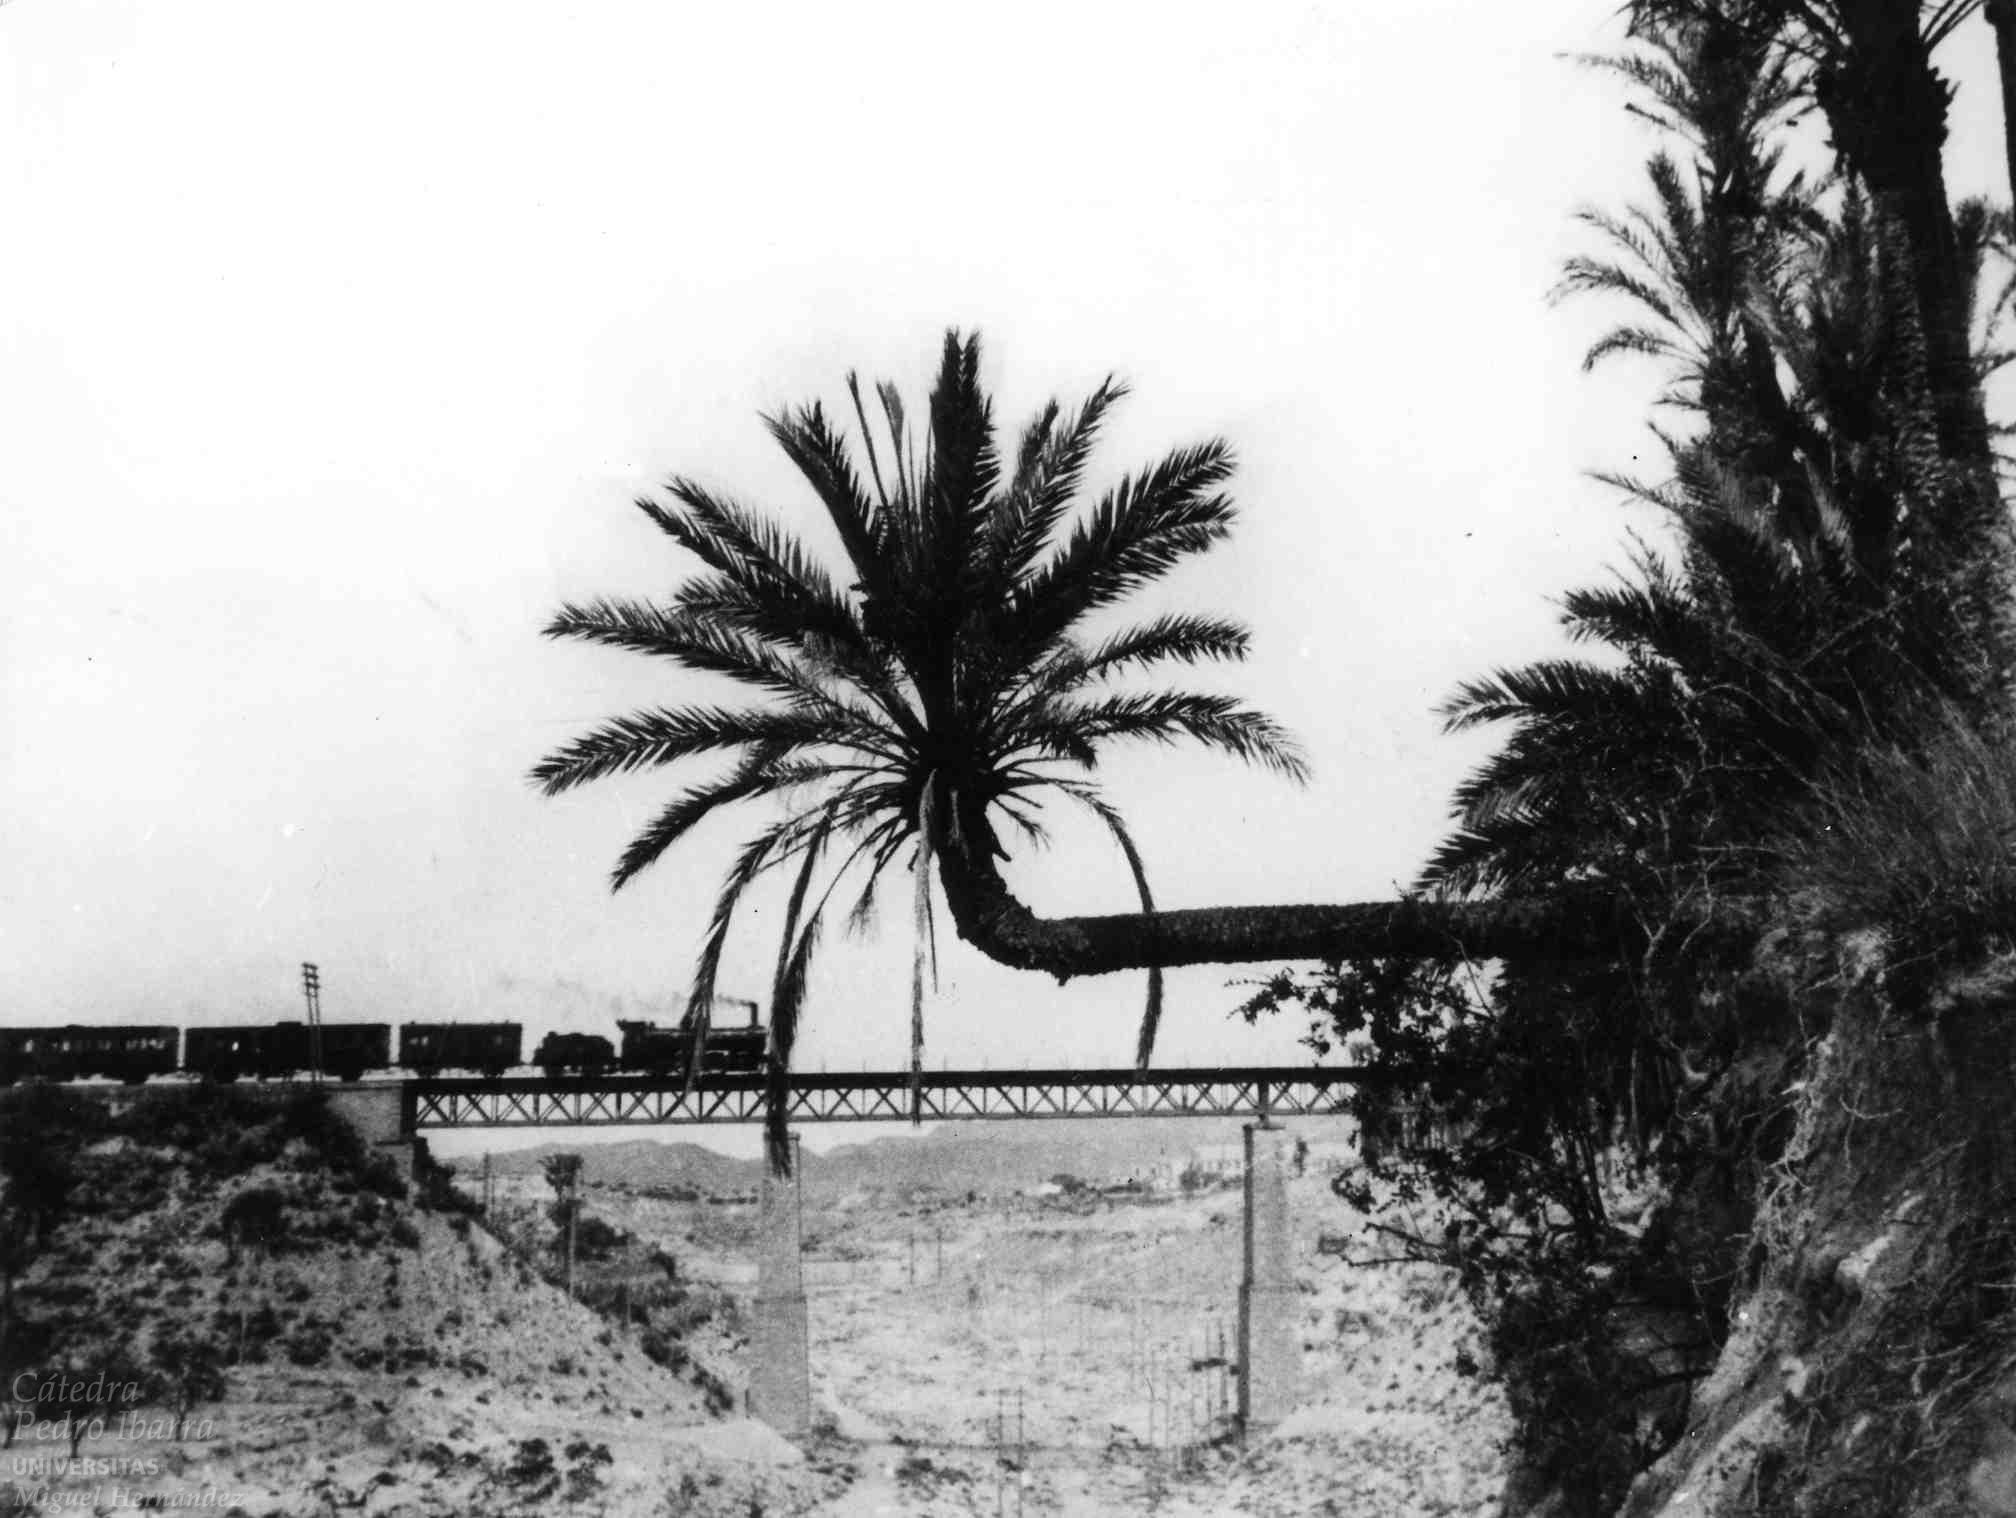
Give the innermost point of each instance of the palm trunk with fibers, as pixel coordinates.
(1887, 107)
(2002, 16)
(990, 917)
(926, 814)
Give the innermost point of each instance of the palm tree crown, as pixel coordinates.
(945, 675)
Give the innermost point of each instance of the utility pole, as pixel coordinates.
(311, 989)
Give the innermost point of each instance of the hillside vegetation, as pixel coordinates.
(324, 1337)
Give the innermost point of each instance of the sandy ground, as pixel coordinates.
(993, 1356)
(1043, 1356)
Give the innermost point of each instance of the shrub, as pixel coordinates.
(596, 1240)
(380, 1174)
(256, 1216)
(665, 1350)
(309, 1343)
(211, 1122)
(1916, 841)
(532, 1467)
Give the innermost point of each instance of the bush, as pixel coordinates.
(597, 1240)
(1916, 841)
(257, 1216)
(379, 1174)
(661, 1348)
(208, 1121)
(532, 1467)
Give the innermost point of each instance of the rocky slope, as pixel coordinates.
(1870, 1359)
(365, 1354)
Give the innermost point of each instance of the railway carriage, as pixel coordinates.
(489, 1048)
(78, 1051)
(272, 1051)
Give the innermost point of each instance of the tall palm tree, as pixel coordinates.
(1811, 604)
(1615, 770)
(938, 692)
(1871, 68)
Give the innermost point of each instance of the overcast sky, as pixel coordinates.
(340, 337)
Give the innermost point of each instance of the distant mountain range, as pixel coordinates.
(987, 1157)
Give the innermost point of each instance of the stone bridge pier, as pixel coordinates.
(381, 1115)
(1270, 1341)
(780, 1373)
(1270, 1330)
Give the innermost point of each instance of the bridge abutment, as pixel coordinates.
(1270, 1359)
(780, 1373)
(379, 1114)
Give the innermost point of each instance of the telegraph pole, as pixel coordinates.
(311, 989)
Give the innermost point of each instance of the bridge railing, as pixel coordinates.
(872, 1097)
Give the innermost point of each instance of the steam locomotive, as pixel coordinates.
(275, 1051)
(661, 1051)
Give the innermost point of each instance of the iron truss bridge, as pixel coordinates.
(936, 1096)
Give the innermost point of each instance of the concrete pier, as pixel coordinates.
(1270, 1341)
(379, 1114)
(780, 1374)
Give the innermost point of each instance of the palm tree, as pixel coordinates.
(1616, 771)
(948, 691)
(1871, 72)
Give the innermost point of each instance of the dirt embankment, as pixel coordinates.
(1870, 1366)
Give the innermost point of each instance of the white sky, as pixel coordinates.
(338, 339)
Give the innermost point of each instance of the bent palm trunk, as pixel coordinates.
(990, 917)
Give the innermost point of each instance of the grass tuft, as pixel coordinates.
(1918, 841)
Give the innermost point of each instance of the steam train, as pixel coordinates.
(276, 1051)
(661, 1051)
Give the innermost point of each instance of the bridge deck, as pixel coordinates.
(883, 1096)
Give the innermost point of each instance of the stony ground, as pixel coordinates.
(988, 1355)
(1067, 1356)
(408, 1367)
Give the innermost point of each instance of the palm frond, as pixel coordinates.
(1045, 483)
(1164, 717)
(1544, 688)
(650, 738)
(821, 456)
(1186, 637)
(1136, 533)
(1151, 1013)
(921, 926)
(964, 465)
(760, 773)
(787, 997)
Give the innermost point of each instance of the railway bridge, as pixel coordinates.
(397, 1112)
